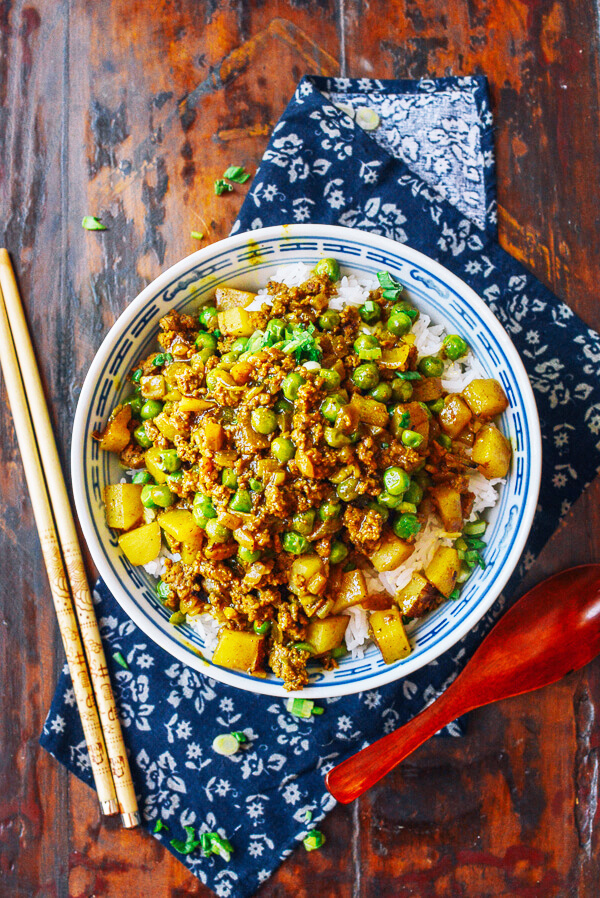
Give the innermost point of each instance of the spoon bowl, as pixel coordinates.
(551, 631)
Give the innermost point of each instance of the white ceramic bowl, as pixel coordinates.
(247, 261)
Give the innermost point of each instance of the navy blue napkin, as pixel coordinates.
(423, 176)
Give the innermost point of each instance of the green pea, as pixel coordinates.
(399, 323)
(239, 345)
(444, 440)
(204, 340)
(366, 376)
(335, 438)
(199, 518)
(264, 420)
(381, 510)
(276, 328)
(330, 509)
(283, 407)
(177, 618)
(241, 501)
(142, 437)
(217, 532)
(229, 478)
(414, 493)
(411, 439)
(436, 406)
(348, 489)
(162, 495)
(431, 366)
(295, 543)
(283, 449)
(136, 376)
(247, 556)
(204, 505)
(381, 393)
(328, 268)
(338, 553)
(402, 390)
(396, 481)
(329, 320)
(229, 358)
(331, 406)
(388, 501)
(173, 480)
(291, 384)
(208, 316)
(204, 354)
(169, 460)
(331, 378)
(367, 347)
(405, 306)
(135, 403)
(454, 347)
(406, 525)
(146, 496)
(370, 312)
(262, 628)
(304, 521)
(143, 477)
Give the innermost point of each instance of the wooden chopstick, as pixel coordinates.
(49, 495)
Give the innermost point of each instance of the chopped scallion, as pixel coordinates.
(314, 840)
(91, 223)
(237, 174)
(196, 235)
(120, 660)
(475, 528)
(226, 744)
(222, 186)
(159, 826)
(302, 707)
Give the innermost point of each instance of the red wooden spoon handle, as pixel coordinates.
(349, 780)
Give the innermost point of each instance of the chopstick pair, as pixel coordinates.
(63, 559)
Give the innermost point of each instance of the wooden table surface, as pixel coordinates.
(130, 110)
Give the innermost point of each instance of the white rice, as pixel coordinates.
(354, 290)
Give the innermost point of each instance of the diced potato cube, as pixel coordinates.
(410, 416)
(240, 650)
(189, 404)
(242, 372)
(304, 463)
(123, 505)
(236, 322)
(455, 415)
(396, 358)
(390, 635)
(486, 397)
(370, 411)
(152, 459)
(417, 597)
(116, 434)
(443, 569)
(302, 572)
(447, 501)
(180, 524)
(427, 390)
(166, 426)
(142, 544)
(352, 591)
(325, 635)
(492, 452)
(230, 298)
(153, 386)
(214, 434)
(390, 553)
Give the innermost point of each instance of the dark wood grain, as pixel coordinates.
(130, 110)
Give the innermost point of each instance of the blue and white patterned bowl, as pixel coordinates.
(247, 261)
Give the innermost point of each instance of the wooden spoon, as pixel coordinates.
(552, 630)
